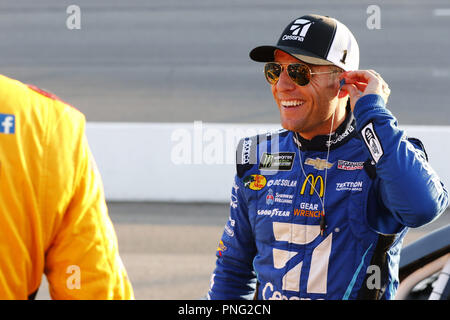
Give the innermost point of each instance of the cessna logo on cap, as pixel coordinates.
(299, 29)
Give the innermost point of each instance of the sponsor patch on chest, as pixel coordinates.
(349, 186)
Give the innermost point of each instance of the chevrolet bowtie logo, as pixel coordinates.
(319, 164)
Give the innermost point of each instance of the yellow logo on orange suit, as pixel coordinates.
(255, 182)
(311, 181)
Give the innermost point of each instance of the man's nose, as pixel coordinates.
(285, 83)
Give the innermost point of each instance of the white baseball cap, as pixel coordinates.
(315, 39)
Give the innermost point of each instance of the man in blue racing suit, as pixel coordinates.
(319, 209)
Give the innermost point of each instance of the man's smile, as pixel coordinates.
(292, 103)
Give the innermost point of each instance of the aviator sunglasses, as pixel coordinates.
(299, 73)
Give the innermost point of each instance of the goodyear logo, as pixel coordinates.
(255, 182)
(311, 183)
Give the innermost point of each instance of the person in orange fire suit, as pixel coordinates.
(53, 215)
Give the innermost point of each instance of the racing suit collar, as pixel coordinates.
(343, 133)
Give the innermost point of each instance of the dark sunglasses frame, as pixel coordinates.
(300, 73)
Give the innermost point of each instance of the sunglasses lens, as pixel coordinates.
(299, 73)
(272, 72)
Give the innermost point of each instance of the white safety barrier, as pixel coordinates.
(194, 162)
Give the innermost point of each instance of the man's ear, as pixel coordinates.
(342, 93)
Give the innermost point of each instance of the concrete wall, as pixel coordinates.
(195, 161)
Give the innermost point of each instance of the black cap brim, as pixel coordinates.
(267, 54)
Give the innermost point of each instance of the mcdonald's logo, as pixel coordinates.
(313, 184)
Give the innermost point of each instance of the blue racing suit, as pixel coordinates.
(302, 226)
